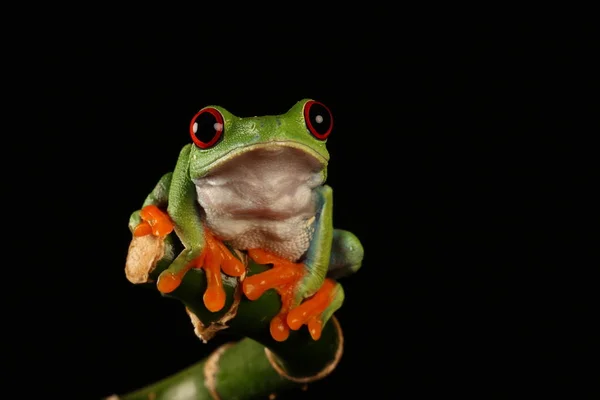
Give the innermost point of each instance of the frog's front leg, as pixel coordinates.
(201, 248)
(346, 258)
(303, 280)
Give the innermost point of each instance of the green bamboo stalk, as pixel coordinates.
(243, 372)
(255, 366)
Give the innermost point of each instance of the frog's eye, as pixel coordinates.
(318, 119)
(206, 127)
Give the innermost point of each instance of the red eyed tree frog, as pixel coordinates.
(256, 184)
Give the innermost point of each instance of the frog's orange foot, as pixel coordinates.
(284, 278)
(311, 310)
(215, 257)
(154, 221)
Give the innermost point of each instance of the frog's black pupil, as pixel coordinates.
(319, 118)
(205, 127)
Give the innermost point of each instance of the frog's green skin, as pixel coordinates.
(244, 145)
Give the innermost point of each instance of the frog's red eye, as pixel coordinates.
(318, 119)
(206, 128)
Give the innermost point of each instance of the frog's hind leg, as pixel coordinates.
(346, 254)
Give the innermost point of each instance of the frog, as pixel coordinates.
(256, 185)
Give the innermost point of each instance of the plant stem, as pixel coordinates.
(254, 367)
(241, 371)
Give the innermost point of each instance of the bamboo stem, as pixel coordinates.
(256, 366)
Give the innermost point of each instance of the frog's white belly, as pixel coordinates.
(265, 200)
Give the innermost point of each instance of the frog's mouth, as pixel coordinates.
(273, 180)
(277, 149)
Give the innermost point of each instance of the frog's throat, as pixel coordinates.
(273, 145)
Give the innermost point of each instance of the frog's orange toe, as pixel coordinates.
(167, 282)
(315, 327)
(215, 258)
(279, 329)
(214, 298)
(142, 229)
(280, 277)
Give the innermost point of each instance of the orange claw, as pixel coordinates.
(315, 327)
(279, 329)
(215, 257)
(154, 221)
(167, 282)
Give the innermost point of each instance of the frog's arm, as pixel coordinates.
(334, 253)
(201, 248)
(182, 209)
(158, 197)
(324, 296)
(319, 250)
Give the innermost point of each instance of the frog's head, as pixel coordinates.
(299, 136)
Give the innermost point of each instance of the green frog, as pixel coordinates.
(256, 184)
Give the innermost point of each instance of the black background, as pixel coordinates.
(445, 162)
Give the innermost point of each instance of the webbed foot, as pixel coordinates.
(285, 277)
(154, 221)
(214, 258)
